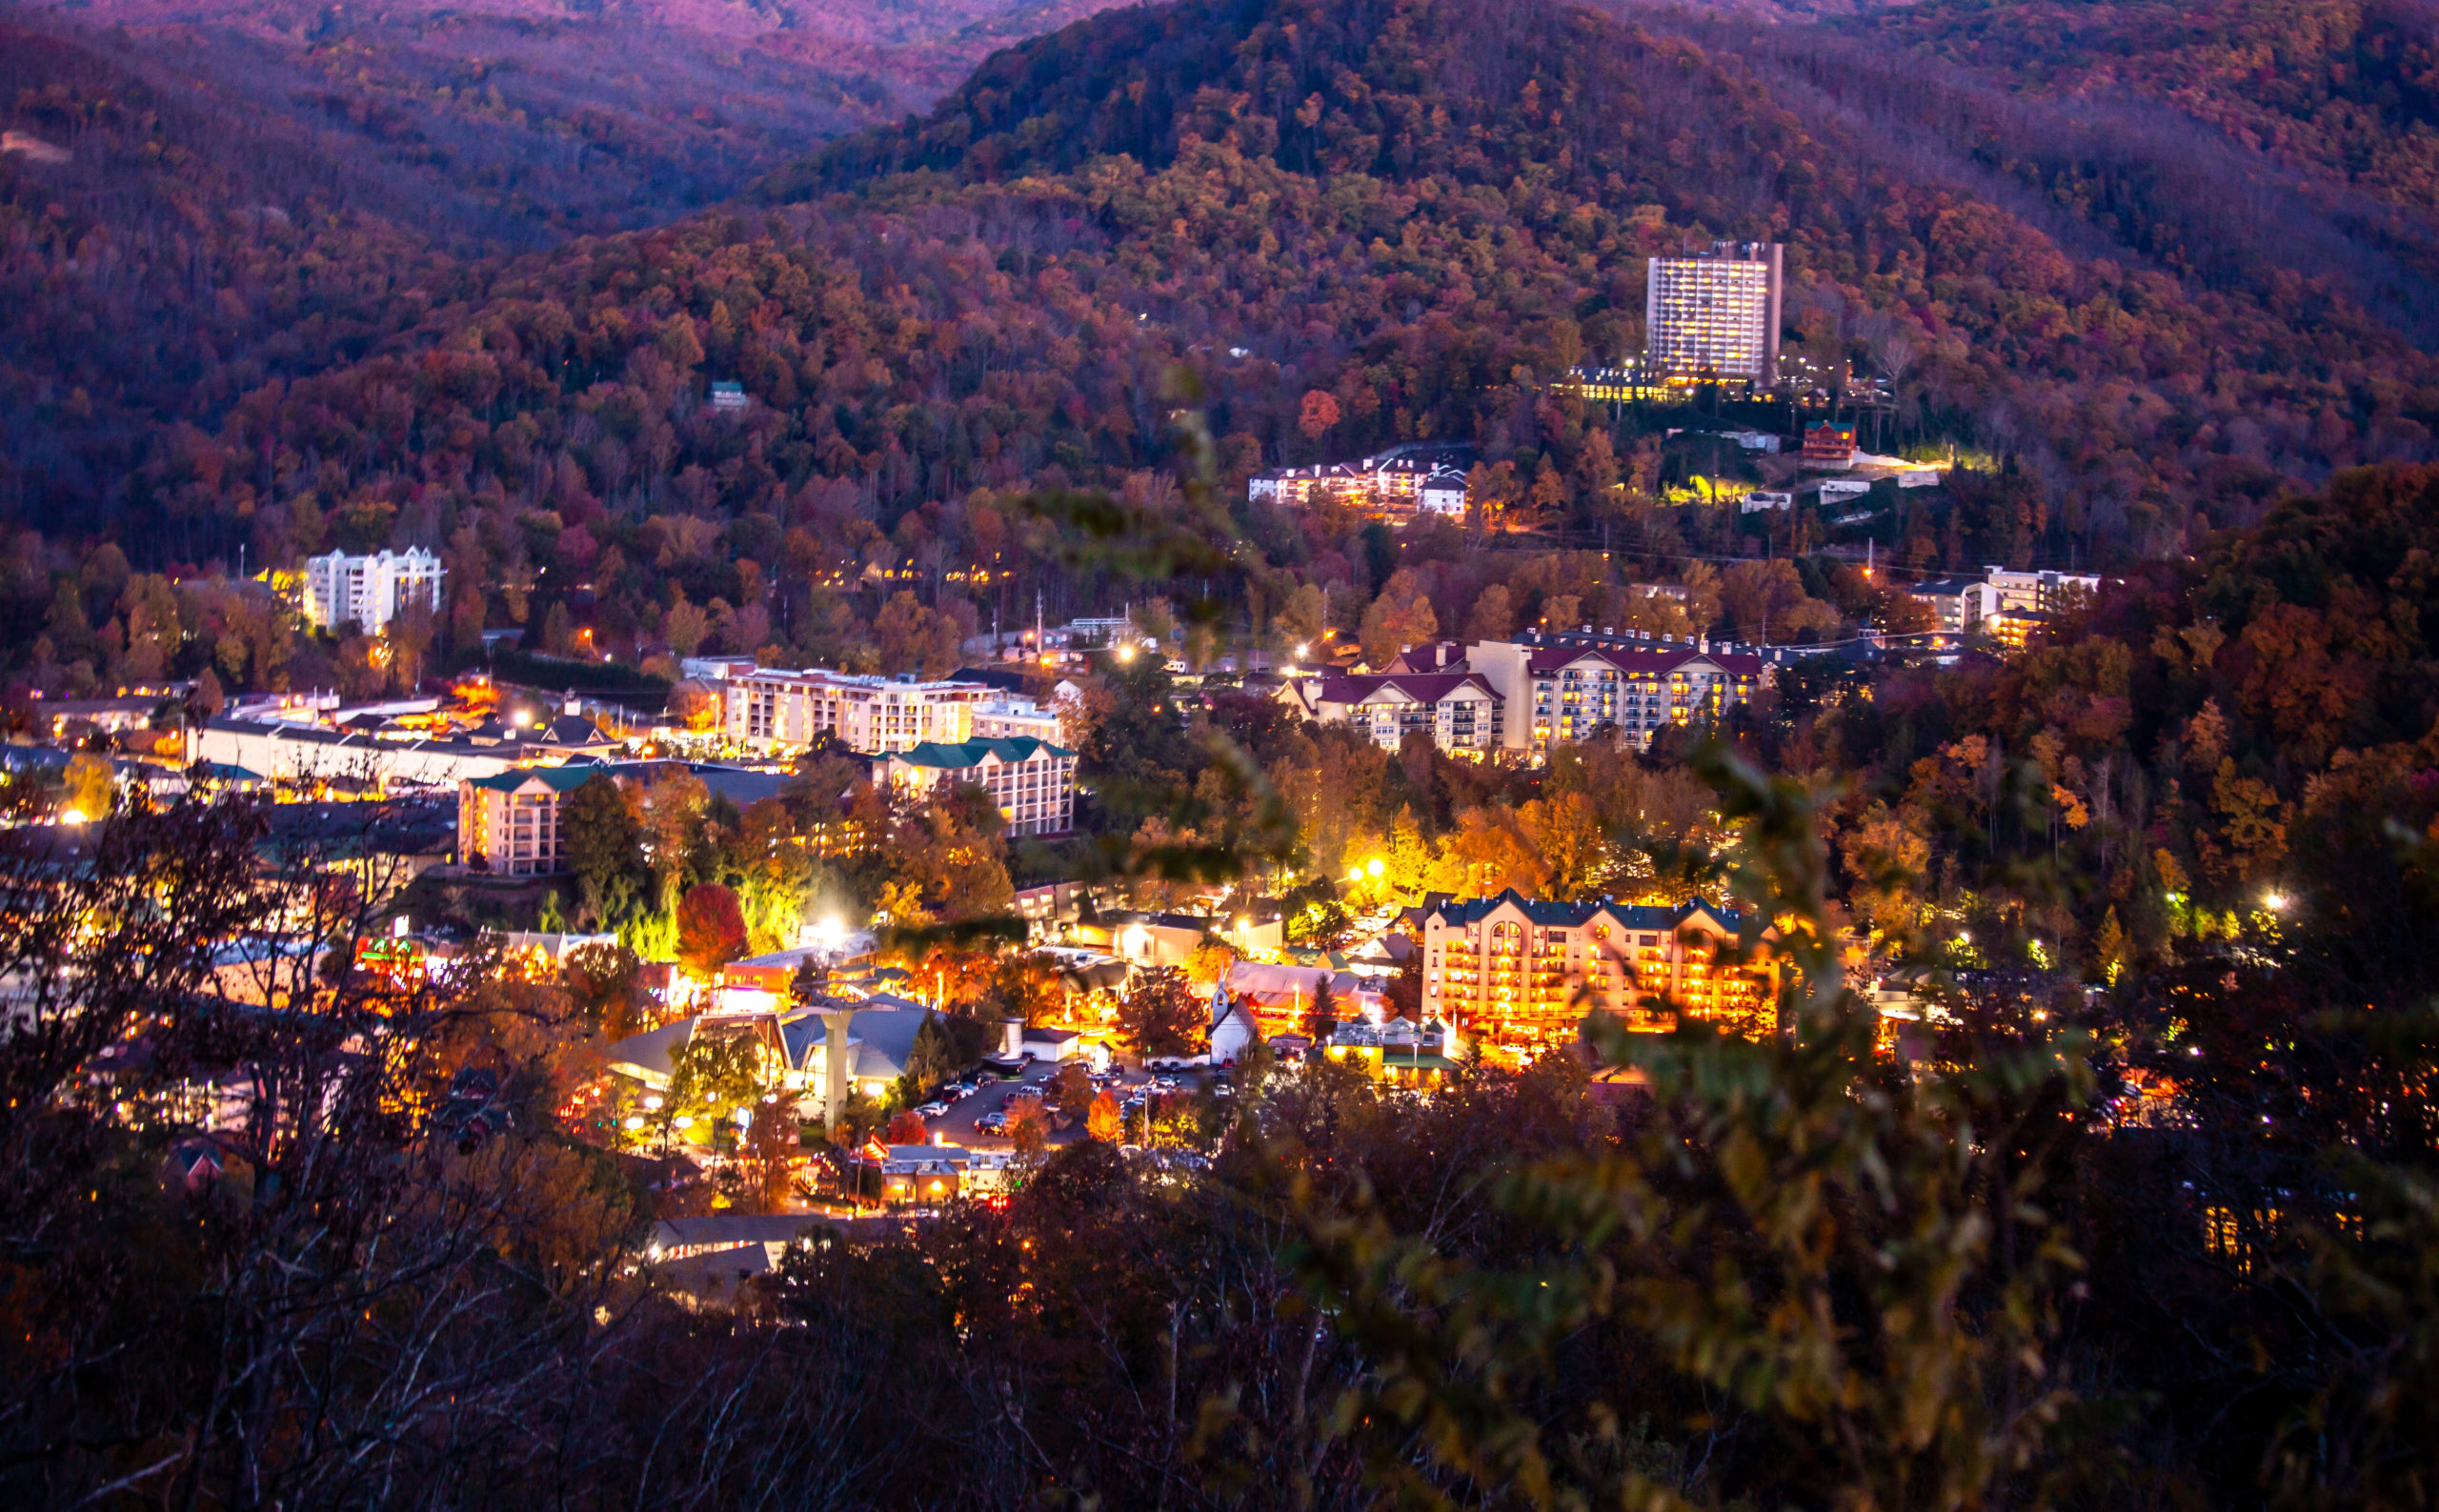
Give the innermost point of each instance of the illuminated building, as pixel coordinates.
(1556, 687)
(1715, 314)
(779, 711)
(366, 591)
(2005, 604)
(1829, 445)
(510, 822)
(1032, 782)
(1521, 973)
(1422, 478)
(1459, 711)
(1516, 697)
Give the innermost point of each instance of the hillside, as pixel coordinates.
(522, 121)
(2341, 89)
(1422, 210)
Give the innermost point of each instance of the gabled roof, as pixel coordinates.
(1421, 687)
(1431, 657)
(1656, 659)
(559, 778)
(1549, 914)
(944, 756)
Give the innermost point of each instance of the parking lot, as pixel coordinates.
(956, 1125)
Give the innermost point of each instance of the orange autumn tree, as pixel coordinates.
(1028, 1127)
(1104, 1121)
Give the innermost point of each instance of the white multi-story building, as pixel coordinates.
(368, 591)
(1977, 603)
(1032, 782)
(1012, 719)
(1458, 710)
(1560, 688)
(779, 711)
(1419, 477)
(1715, 312)
(1515, 698)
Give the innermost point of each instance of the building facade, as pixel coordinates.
(1827, 444)
(367, 591)
(1515, 698)
(509, 824)
(2001, 602)
(1715, 314)
(1522, 974)
(778, 711)
(1007, 718)
(1032, 782)
(1397, 484)
(1560, 688)
(1459, 711)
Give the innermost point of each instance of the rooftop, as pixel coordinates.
(1009, 749)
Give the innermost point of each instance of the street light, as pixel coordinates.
(1375, 868)
(2276, 901)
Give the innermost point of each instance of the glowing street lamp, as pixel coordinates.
(1375, 868)
(2276, 902)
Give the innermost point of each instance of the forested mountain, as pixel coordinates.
(1354, 224)
(2342, 89)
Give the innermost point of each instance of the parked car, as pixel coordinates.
(933, 1110)
(991, 1123)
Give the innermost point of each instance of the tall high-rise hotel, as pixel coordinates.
(1715, 312)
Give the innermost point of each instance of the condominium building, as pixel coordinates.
(1516, 698)
(1523, 973)
(368, 591)
(1421, 478)
(509, 824)
(1459, 711)
(1008, 719)
(781, 711)
(1964, 604)
(1568, 687)
(1715, 312)
(1032, 782)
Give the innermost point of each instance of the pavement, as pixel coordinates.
(956, 1125)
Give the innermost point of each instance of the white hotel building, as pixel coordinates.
(369, 591)
(778, 711)
(1715, 312)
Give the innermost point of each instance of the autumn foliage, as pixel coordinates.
(711, 929)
